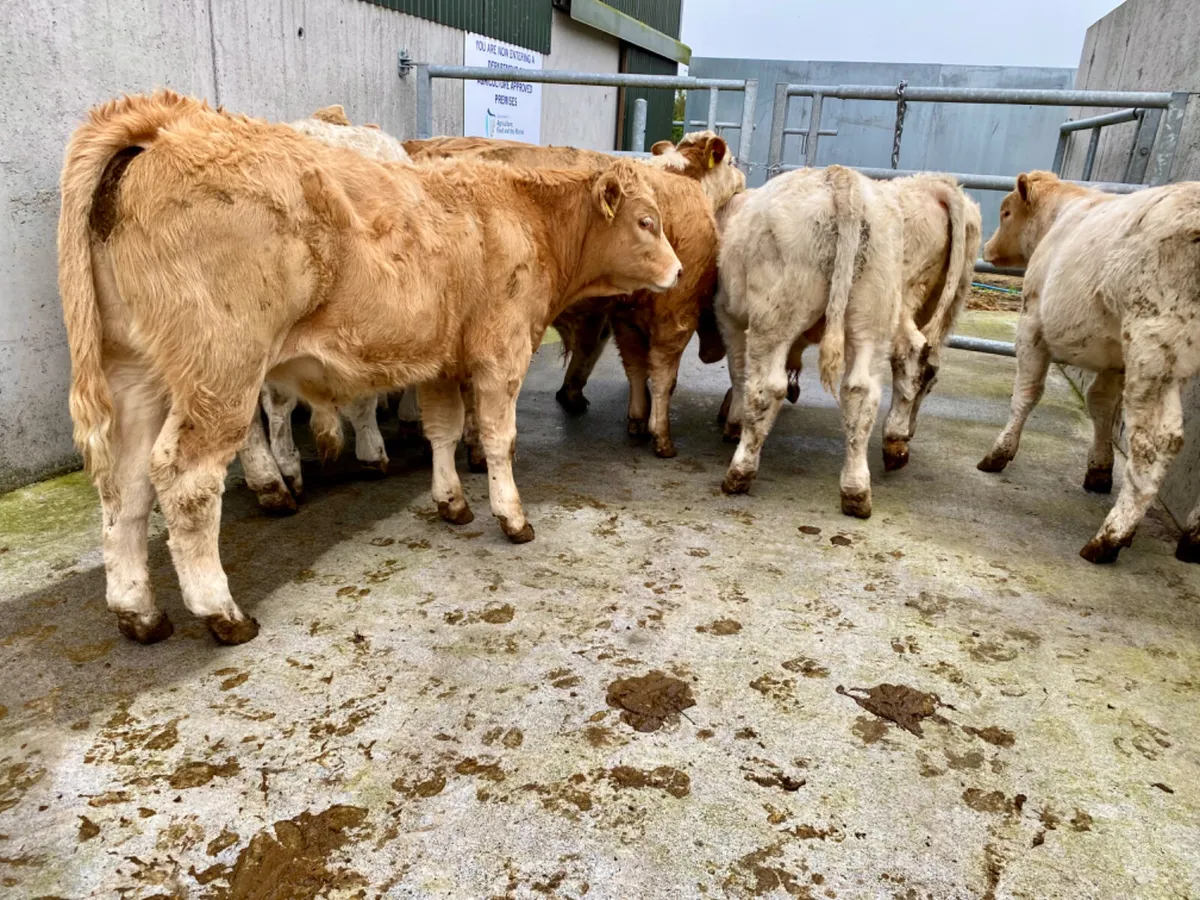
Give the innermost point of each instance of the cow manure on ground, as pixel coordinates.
(898, 703)
(648, 702)
(664, 778)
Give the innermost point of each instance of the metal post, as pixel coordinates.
(1090, 160)
(814, 131)
(1060, 153)
(713, 94)
(1168, 138)
(424, 102)
(749, 100)
(778, 121)
(639, 126)
(1143, 146)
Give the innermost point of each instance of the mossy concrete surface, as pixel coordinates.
(431, 712)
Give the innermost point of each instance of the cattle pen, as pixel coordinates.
(670, 693)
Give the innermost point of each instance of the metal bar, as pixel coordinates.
(639, 125)
(814, 131)
(1168, 139)
(730, 125)
(778, 119)
(1089, 161)
(988, 269)
(606, 79)
(1112, 118)
(713, 96)
(825, 132)
(746, 135)
(424, 102)
(984, 182)
(1060, 152)
(1143, 145)
(1148, 99)
(980, 345)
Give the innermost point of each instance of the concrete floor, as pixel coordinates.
(432, 712)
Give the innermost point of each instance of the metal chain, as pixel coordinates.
(901, 109)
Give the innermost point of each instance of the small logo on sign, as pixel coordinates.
(489, 125)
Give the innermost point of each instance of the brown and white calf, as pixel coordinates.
(1112, 285)
(203, 253)
(810, 245)
(651, 330)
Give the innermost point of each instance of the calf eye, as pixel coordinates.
(647, 223)
(1005, 214)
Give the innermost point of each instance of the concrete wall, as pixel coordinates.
(1148, 45)
(989, 140)
(574, 115)
(280, 60)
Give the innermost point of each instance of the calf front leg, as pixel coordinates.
(278, 404)
(634, 346)
(496, 407)
(476, 458)
(664, 374)
(261, 469)
(1104, 405)
(585, 342)
(442, 419)
(765, 390)
(731, 413)
(1033, 362)
(1155, 421)
(368, 441)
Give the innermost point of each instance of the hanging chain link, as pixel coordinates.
(901, 109)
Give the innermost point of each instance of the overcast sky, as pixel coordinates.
(970, 32)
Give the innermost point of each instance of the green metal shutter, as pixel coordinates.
(661, 15)
(525, 23)
(660, 104)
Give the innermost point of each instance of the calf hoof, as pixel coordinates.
(857, 504)
(572, 401)
(517, 535)
(895, 455)
(229, 631)
(793, 391)
(1188, 548)
(476, 461)
(278, 501)
(1098, 481)
(737, 482)
(993, 462)
(665, 449)
(138, 628)
(373, 468)
(1101, 551)
(732, 433)
(295, 484)
(723, 412)
(454, 513)
(638, 428)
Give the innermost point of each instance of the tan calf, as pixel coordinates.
(203, 253)
(1112, 286)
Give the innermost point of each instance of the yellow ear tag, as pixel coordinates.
(608, 210)
(711, 162)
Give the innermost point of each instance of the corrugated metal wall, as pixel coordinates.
(660, 104)
(522, 22)
(661, 15)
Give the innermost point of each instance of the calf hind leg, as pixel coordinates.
(764, 392)
(262, 471)
(1188, 548)
(278, 404)
(496, 408)
(1103, 403)
(368, 441)
(442, 419)
(861, 392)
(634, 346)
(126, 497)
(585, 342)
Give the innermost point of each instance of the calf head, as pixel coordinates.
(705, 156)
(1025, 216)
(626, 247)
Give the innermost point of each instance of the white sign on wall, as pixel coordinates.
(501, 108)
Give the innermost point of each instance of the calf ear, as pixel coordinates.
(1027, 188)
(715, 151)
(661, 147)
(334, 115)
(607, 194)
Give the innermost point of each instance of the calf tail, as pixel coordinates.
(952, 297)
(127, 124)
(848, 223)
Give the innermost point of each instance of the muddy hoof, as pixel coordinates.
(1098, 481)
(277, 501)
(793, 391)
(857, 505)
(665, 449)
(455, 516)
(723, 412)
(1103, 551)
(476, 461)
(992, 463)
(1188, 548)
(295, 484)
(517, 536)
(373, 468)
(227, 631)
(737, 482)
(136, 628)
(638, 428)
(572, 401)
(732, 433)
(895, 455)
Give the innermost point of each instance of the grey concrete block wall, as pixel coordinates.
(988, 140)
(280, 60)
